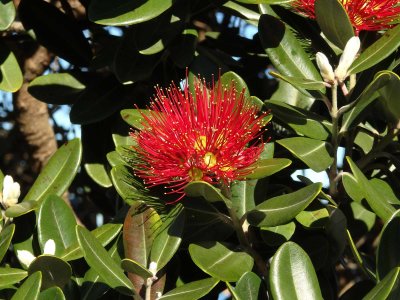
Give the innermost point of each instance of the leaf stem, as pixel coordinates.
(334, 141)
(149, 283)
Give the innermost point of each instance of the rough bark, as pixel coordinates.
(32, 114)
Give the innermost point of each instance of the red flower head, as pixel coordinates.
(371, 15)
(208, 136)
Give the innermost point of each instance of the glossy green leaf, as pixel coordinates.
(365, 140)
(98, 258)
(7, 14)
(9, 276)
(363, 215)
(53, 293)
(134, 267)
(286, 93)
(243, 196)
(268, 167)
(292, 275)
(383, 209)
(300, 120)
(387, 256)
(389, 94)
(30, 288)
(114, 159)
(56, 221)
(277, 235)
(99, 174)
(134, 117)
(121, 12)
(204, 222)
(120, 140)
(385, 190)
(220, 262)
(231, 77)
(378, 51)
(283, 48)
(314, 153)
(55, 271)
(301, 83)
(335, 229)
(368, 95)
(104, 234)
(10, 72)
(168, 238)
(57, 88)
(192, 290)
(21, 208)
(248, 286)
(58, 173)
(387, 288)
(140, 227)
(352, 188)
(335, 25)
(282, 209)
(314, 218)
(205, 190)
(6, 235)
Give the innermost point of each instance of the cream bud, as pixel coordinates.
(325, 67)
(348, 56)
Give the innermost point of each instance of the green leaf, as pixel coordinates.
(383, 209)
(53, 293)
(9, 276)
(314, 218)
(284, 49)
(6, 235)
(134, 267)
(301, 83)
(205, 190)
(286, 93)
(248, 286)
(99, 174)
(192, 290)
(378, 51)
(135, 117)
(104, 234)
(168, 238)
(389, 95)
(385, 190)
(30, 288)
(335, 25)
(7, 14)
(300, 120)
(121, 12)
(58, 173)
(10, 73)
(220, 262)
(387, 255)
(363, 215)
(55, 271)
(98, 258)
(282, 209)
(243, 196)
(231, 77)
(56, 221)
(21, 208)
(268, 167)
(368, 95)
(292, 275)
(277, 235)
(352, 188)
(387, 288)
(58, 88)
(114, 159)
(120, 140)
(314, 153)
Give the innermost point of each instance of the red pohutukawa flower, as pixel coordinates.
(212, 136)
(370, 15)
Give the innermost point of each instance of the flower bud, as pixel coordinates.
(348, 56)
(11, 192)
(325, 67)
(25, 257)
(49, 247)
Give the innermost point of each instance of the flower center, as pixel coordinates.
(195, 174)
(201, 143)
(209, 159)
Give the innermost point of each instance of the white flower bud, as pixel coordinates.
(49, 247)
(348, 56)
(325, 67)
(25, 257)
(153, 268)
(11, 192)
